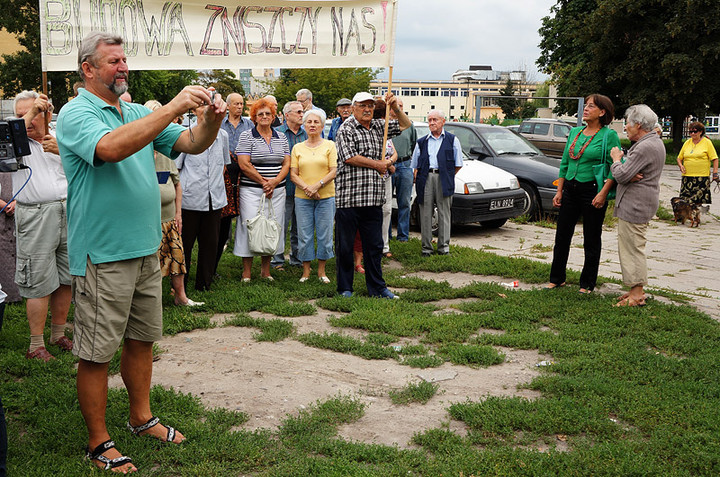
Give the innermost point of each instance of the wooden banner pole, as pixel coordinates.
(48, 114)
(387, 116)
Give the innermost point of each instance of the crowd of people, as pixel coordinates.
(120, 197)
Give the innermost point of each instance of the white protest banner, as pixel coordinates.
(224, 34)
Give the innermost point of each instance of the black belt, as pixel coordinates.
(434, 171)
(403, 159)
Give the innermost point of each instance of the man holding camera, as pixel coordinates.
(42, 272)
(114, 232)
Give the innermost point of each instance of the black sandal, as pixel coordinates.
(97, 454)
(154, 421)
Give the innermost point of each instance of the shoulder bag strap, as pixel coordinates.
(604, 145)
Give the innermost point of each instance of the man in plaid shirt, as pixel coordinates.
(360, 191)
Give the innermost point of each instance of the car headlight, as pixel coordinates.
(514, 184)
(474, 188)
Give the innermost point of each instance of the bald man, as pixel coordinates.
(233, 125)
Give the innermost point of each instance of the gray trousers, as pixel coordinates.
(432, 198)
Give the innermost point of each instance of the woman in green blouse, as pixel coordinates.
(577, 195)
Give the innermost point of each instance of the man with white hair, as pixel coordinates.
(360, 191)
(42, 270)
(305, 97)
(114, 232)
(295, 133)
(436, 159)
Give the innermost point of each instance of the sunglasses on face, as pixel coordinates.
(260, 115)
(694, 131)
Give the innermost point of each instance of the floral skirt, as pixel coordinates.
(696, 189)
(231, 190)
(171, 254)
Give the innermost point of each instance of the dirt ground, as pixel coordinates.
(227, 368)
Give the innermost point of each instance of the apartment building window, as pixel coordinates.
(410, 91)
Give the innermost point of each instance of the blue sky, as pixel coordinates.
(436, 38)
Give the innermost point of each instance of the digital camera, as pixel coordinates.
(13, 144)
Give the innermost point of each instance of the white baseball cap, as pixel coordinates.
(362, 97)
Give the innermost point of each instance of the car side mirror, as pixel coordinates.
(479, 151)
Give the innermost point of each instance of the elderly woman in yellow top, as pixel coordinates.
(694, 160)
(313, 165)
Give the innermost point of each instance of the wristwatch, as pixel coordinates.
(321, 183)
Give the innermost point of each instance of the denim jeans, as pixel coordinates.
(403, 184)
(315, 217)
(290, 218)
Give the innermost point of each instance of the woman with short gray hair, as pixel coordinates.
(313, 166)
(637, 199)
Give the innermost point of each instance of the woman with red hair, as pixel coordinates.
(264, 158)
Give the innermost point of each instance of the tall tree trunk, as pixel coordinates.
(678, 120)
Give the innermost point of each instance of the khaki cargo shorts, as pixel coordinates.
(114, 301)
(42, 254)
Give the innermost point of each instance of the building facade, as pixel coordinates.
(457, 97)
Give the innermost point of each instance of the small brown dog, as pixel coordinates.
(685, 210)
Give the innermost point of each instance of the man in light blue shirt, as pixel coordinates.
(203, 198)
(295, 133)
(435, 161)
(235, 123)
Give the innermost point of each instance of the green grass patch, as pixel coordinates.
(423, 361)
(665, 214)
(273, 330)
(348, 345)
(420, 392)
(471, 355)
(632, 390)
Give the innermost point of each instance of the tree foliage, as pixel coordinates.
(23, 69)
(158, 84)
(328, 85)
(508, 105)
(514, 108)
(664, 53)
(224, 82)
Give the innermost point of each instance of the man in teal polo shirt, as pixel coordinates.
(114, 231)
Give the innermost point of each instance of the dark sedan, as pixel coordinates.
(500, 147)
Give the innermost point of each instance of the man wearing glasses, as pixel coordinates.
(360, 191)
(293, 130)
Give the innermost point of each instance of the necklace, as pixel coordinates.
(582, 149)
(693, 145)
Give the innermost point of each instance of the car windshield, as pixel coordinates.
(504, 141)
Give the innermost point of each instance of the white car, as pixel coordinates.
(483, 193)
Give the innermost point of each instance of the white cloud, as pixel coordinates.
(436, 38)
